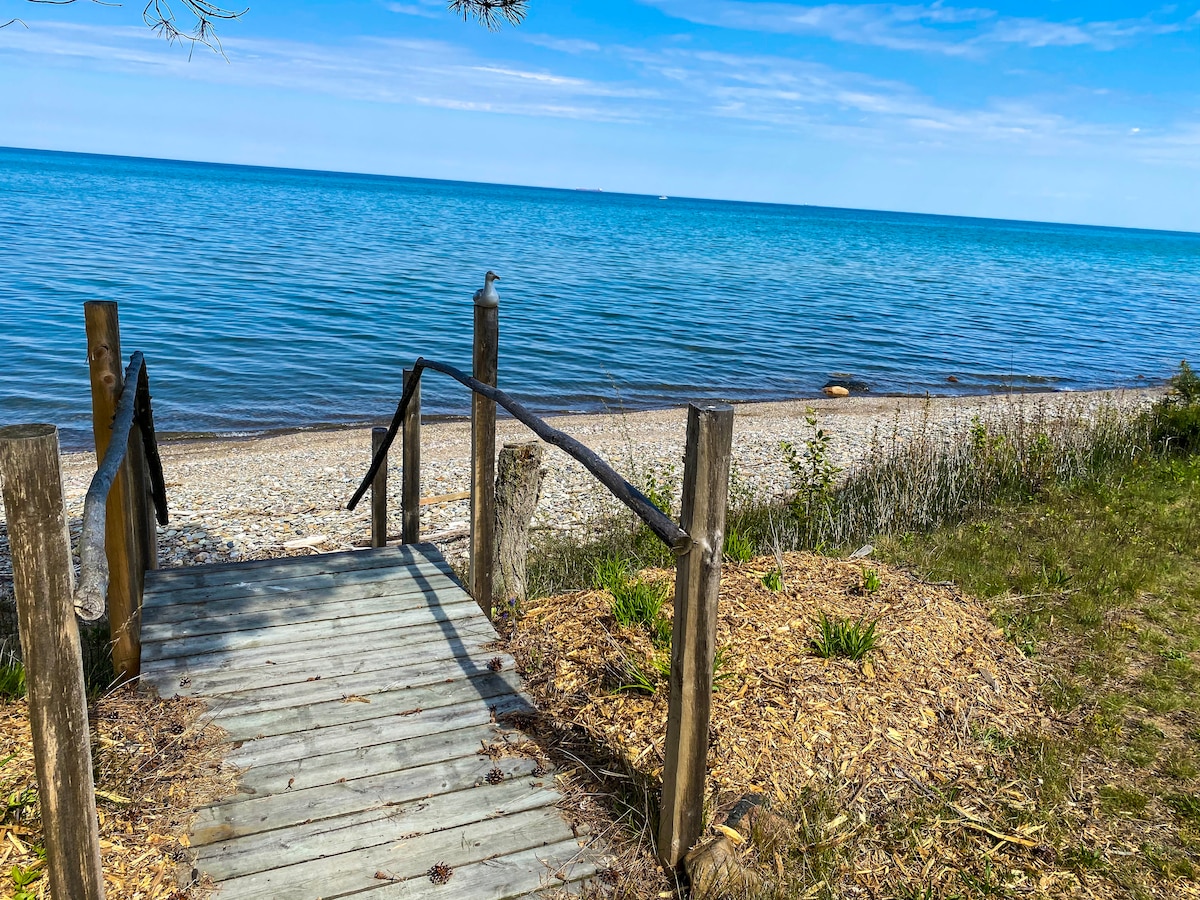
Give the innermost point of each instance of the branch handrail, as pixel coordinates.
(663, 527)
(133, 406)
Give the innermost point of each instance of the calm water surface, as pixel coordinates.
(267, 298)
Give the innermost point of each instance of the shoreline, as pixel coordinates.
(432, 419)
(283, 494)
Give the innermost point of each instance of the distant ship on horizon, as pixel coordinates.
(591, 190)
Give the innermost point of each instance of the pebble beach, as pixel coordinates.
(285, 494)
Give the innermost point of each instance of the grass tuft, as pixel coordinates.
(844, 637)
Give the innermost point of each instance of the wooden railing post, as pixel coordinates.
(43, 582)
(125, 531)
(379, 492)
(410, 472)
(697, 584)
(483, 454)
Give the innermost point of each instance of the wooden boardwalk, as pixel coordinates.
(361, 698)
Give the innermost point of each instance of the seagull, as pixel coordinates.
(486, 295)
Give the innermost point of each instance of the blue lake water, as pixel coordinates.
(268, 298)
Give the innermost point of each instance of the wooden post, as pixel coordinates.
(124, 533)
(518, 482)
(379, 492)
(43, 582)
(697, 583)
(483, 458)
(410, 473)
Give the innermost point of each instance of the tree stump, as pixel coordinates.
(518, 484)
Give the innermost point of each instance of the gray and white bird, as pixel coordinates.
(486, 295)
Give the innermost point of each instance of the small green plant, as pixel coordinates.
(844, 637)
(1186, 806)
(738, 548)
(1084, 857)
(22, 878)
(773, 580)
(12, 680)
(813, 477)
(1058, 579)
(636, 680)
(659, 486)
(611, 574)
(721, 668)
(871, 581)
(637, 602)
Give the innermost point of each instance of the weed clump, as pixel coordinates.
(635, 602)
(1176, 418)
(844, 637)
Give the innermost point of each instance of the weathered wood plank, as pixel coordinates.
(343, 875)
(414, 645)
(233, 818)
(401, 701)
(369, 828)
(296, 566)
(287, 586)
(522, 874)
(275, 749)
(368, 685)
(359, 762)
(453, 610)
(337, 603)
(281, 593)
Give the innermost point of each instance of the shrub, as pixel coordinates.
(1176, 418)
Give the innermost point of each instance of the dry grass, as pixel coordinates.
(154, 760)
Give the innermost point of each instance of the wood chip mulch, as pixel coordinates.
(915, 732)
(155, 761)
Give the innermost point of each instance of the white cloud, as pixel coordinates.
(423, 8)
(934, 28)
(673, 87)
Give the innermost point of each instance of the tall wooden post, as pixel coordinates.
(43, 581)
(410, 473)
(693, 642)
(125, 531)
(483, 457)
(379, 491)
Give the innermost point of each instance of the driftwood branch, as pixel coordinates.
(93, 563)
(662, 526)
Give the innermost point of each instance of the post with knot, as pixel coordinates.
(44, 582)
(694, 636)
(483, 445)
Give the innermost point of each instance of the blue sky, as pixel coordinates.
(1056, 110)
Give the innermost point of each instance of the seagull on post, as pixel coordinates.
(486, 296)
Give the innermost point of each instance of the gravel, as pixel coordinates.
(286, 494)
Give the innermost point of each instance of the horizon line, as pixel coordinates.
(592, 191)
